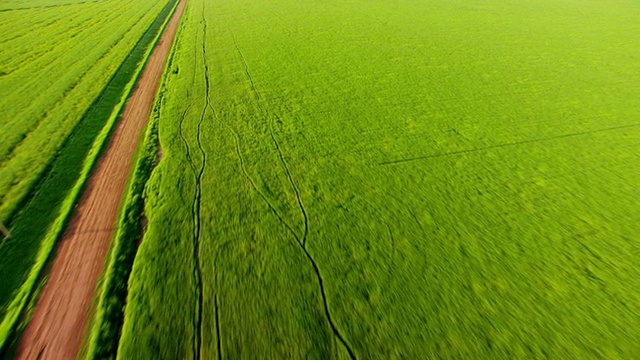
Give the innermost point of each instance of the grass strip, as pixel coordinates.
(66, 178)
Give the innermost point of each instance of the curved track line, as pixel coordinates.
(516, 143)
(197, 205)
(301, 242)
(275, 142)
(255, 187)
(184, 139)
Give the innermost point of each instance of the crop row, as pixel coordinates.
(50, 85)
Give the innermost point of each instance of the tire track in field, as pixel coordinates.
(207, 107)
(197, 206)
(393, 247)
(300, 240)
(195, 221)
(277, 145)
(196, 211)
(510, 144)
(217, 313)
(255, 187)
(195, 62)
(184, 140)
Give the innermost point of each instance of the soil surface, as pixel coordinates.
(60, 317)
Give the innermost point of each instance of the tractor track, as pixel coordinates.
(393, 245)
(197, 231)
(276, 144)
(509, 144)
(195, 221)
(217, 313)
(255, 187)
(300, 240)
(184, 139)
(197, 209)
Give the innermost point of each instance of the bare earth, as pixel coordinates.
(60, 317)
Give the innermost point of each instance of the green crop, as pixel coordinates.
(378, 179)
(56, 61)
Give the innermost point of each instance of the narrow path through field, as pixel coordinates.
(60, 317)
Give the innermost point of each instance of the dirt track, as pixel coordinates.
(59, 321)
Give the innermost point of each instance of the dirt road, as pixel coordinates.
(60, 317)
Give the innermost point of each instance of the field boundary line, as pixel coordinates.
(503, 145)
(15, 308)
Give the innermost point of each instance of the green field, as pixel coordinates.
(337, 179)
(55, 61)
(377, 179)
(66, 68)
